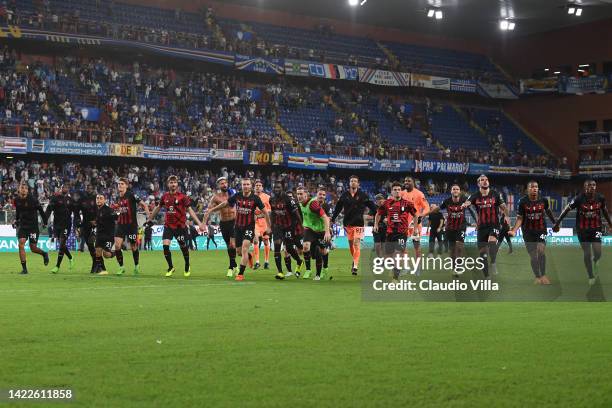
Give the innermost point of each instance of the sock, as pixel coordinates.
(267, 252)
(98, 261)
(356, 256)
(288, 263)
(231, 252)
(493, 251)
(168, 256)
(542, 264)
(278, 262)
(101, 263)
(23, 266)
(67, 253)
(588, 263)
(185, 251)
(136, 255)
(119, 256)
(294, 254)
(60, 257)
(92, 253)
(242, 268)
(535, 266)
(485, 270)
(255, 253)
(326, 260)
(509, 242)
(307, 259)
(319, 264)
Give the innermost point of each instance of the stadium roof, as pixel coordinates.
(470, 19)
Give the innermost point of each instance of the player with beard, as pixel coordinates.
(316, 231)
(244, 230)
(455, 220)
(531, 217)
(127, 224)
(86, 206)
(490, 206)
(399, 213)
(103, 231)
(417, 198)
(380, 234)
(177, 206)
(27, 208)
(226, 225)
(353, 203)
(322, 199)
(590, 207)
(284, 215)
(62, 206)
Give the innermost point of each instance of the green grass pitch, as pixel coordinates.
(205, 341)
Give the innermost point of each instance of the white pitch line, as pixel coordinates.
(129, 287)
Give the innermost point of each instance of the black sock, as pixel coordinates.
(231, 252)
(535, 266)
(288, 263)
(307, 259)
(326, 260)
(102, 263)
(319, 264)
(278, 261)
(242, 268)
(23, 266)
(485, 270)
(542, 264)
(98, 261)
(588, 263)
(136, 255)
(185, 252)
(93, 259)
(67, 253)
(119, 256)
(294, 254)
(60, 257)
(168, 256)
(493, 248)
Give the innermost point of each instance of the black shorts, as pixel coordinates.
(379, 236)
(534, 236)
(395, 242)
(455, 235)
(244, 234)
(485, 232)
(62, 231)
(227, 230)
(316, 238)
(105, 242)
(29, 233)
(433, 234)
(127, 230)
(179, 233)
(590, 235)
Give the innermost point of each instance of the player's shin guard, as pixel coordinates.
(119, 255)
(278, 261)
(493, 248)
(136, 256)
(168, 256)
(185, 251)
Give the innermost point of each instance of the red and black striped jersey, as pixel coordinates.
(487, 208)
(126, 209)
(533, 213)
(398, 214)
(176, 206)
(588, 210)
(245, 208)
(455, 214)
(283, 211)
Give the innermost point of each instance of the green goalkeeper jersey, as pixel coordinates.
(313, 213)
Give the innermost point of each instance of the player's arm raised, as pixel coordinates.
(566, 210)
(549, 212)
(43, 215)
